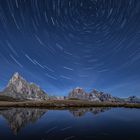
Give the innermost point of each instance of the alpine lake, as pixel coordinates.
(96, 123)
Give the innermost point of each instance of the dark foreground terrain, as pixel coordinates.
(64, 103)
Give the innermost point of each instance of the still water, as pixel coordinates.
(69, 124)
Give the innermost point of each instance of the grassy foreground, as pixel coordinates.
(64, 103)
(7, 98)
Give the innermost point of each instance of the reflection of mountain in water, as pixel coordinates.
(19, 117)
(82, 111)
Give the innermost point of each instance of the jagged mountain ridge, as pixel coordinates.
(97, 96)
(19, 88)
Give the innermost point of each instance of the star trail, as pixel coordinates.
(62, 44)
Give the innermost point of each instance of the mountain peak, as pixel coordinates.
(19, 88)
(78, 88)
(16, 75)
(95, 95)
(77, 93)
(15, 78)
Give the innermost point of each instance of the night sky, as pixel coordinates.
(62, 44)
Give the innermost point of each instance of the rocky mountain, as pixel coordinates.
(98, 96)
(19, 88)
(104, 97)
(78, 93)
(133, 99)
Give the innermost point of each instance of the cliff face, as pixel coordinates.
(133, 99)
(103, 97)
(19, 88)
(79, 93)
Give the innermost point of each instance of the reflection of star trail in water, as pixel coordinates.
(72, 123)
(18, 118)
(60, 44)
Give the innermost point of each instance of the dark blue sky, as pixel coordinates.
(62, 44)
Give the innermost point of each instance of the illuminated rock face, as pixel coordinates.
(97, 96)
(133, 99)
(19, 88)
(78, 93)
(103, 97)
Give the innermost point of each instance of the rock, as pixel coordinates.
(78, 93)
(19, 88)
(97, 96)
(133, 99)
(103, 97)
(93, 97)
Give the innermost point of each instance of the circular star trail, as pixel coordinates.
(61, 44)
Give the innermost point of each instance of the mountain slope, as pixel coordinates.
(19, 88)
(97, 96)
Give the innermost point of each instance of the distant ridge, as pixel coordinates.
(99, 96)
(96, 96)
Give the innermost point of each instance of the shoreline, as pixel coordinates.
(65, 104)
